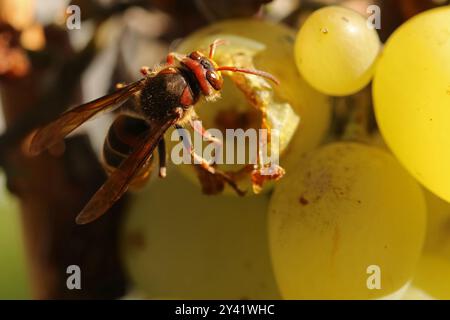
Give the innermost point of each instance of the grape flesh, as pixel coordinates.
(411, 93)
(345, 208)
(336, 51)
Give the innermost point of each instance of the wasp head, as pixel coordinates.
(204, 69)
(208, 73)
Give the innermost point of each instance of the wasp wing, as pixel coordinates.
(118, 182)
(54, 132)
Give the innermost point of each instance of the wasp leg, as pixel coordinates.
(145, 71)
(189, 148)
(264, 172)
(170, 59)
(213, 46)
(196, 124)
(162, 158)
(208, 168)
(120, 85)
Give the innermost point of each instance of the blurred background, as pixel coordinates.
(45, 67)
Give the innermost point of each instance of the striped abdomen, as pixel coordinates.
(123, 136)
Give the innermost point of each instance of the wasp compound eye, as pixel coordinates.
(214, 79)
(206, 64)
(195, 55)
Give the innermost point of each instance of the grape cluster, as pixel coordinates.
(349, 219)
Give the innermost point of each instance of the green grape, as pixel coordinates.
(180, 244)
(336, 51)
(412, 98)
(301, 113)
(345, 208)
(13, 275)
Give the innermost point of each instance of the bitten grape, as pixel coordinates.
(303, 122)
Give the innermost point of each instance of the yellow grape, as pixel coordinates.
(412, 98)
(180, 244)
(346, 207)
(336, 51)
(271, 46)
(438, 213)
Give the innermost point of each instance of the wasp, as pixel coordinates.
(165, 97)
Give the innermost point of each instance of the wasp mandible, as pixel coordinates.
(163, 98)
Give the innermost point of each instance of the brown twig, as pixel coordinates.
(48, 104)
(52, 190)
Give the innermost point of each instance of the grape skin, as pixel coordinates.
(347, 206)
(411, 93)
(336, 51)
(433, 271)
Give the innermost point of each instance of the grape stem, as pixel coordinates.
(360, 114)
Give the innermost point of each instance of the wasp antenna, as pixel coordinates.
(250, 71)
(213, 46)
